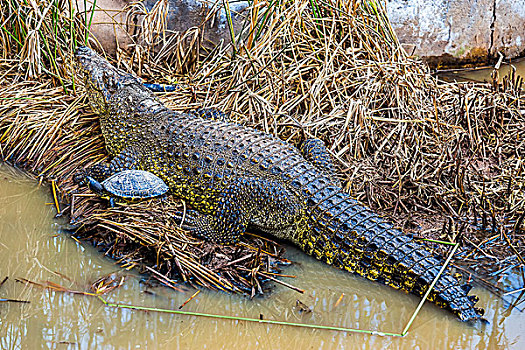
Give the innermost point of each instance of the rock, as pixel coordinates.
(109, 21)
(448, 32)
(509, 28)
(186, 14)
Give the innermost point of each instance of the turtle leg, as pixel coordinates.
(247, 201)
(210, 113)
(315, 152)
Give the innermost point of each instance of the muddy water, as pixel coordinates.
(33, 247)
(484, 73)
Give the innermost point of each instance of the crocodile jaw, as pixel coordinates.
(101, 78)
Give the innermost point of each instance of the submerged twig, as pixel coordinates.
(2, 300)
(189, 299)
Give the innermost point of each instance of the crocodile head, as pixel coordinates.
(101, 78)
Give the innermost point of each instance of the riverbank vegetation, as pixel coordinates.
(442, 160)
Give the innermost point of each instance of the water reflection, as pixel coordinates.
(32, 247)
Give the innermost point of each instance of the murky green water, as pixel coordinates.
(32, 247)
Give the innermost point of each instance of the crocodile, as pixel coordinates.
(235, 177)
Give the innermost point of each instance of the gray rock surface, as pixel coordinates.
(509, 28)
(448, 31)
(109, 21)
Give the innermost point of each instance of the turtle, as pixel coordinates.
(129, 185)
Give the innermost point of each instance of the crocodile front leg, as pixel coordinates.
(262, 203)
(126, 160)
(225, 229)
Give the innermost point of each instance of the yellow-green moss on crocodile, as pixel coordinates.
(235, 177)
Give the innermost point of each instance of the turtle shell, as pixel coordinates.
(135, 184)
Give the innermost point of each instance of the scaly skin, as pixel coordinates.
(235, 177)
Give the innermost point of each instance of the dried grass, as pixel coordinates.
(446, 158)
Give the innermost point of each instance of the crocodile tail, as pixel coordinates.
(350, 236)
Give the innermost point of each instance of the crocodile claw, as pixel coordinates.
(79, 178)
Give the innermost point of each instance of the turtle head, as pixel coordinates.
(94, 185)
(101, 78)
(81, 178)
